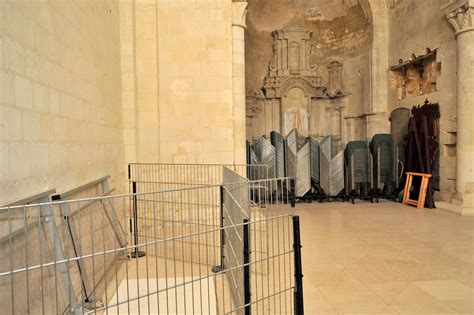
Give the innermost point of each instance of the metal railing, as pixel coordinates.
(160, 176)
(245, 228)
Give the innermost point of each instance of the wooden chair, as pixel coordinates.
(425, 179)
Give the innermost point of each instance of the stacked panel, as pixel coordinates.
(385, 154)
(358, 165)
(331, 168)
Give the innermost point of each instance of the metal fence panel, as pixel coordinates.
(303, 179)
(151, 177)
(314, 160)
(277, 141)
(331, 168)
(178, 230)
(236, 210)
(265, 153)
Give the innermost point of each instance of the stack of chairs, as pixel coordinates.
(358, 166)
(324, 171)
(385, 166)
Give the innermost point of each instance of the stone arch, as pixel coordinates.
(297, 82)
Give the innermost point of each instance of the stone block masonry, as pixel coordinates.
(60, 95)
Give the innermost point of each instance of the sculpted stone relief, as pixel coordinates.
(293, 83)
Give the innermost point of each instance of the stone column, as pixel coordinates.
(377, 117)
(461, 15)
(239, 11)
(343, 111)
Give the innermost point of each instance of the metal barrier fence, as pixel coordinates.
(160, 176)
(81, 262)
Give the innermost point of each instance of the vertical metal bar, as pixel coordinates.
(12, 295)
(136, 253)
(126, 259)
(190, 200)
(25, 222)
(40, 240)
(182, 226)
(91, 231)
(104, 261)
(299, 308)
(222, 233)
(59, 256)
(292, 193)
(246, 252)
(155, 229)
(114, 225)
(66, 214)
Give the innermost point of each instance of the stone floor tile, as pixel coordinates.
(446, 290)
(350, 295)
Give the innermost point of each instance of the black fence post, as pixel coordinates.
(222, 234)
(246, 252)
(299, 308)
(136, 253)
(292, 193)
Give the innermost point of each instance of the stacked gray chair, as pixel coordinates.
(385, 164)
(358, 170)
(277, 141)
(331, 168)
(297, 152)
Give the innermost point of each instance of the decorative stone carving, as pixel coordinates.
(335, 79)
(291, 65)
(291, 51)
(462, 18)
(293, 81)
(239, 13)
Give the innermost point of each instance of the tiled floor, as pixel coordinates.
(386, 259)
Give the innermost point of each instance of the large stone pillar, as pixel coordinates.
(377, 114)
(239, 11)
(461, 15)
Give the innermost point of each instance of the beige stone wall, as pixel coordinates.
(60, 112)
(414, 26)
(177, 80)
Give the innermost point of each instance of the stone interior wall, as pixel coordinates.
(60, 100)
(87, 86)
(415, 26)
(341, 31)
(177, 81)
(60, 124)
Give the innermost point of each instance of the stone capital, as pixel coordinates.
(460, 13)
(239, 12)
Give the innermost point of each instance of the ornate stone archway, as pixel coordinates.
(293, 83)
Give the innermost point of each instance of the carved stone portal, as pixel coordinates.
(293, 83)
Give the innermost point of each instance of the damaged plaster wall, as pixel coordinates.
(415, 26)
(341, 31)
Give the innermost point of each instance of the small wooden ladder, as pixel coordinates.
(420, 203)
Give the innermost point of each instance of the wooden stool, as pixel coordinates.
(420, 203)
